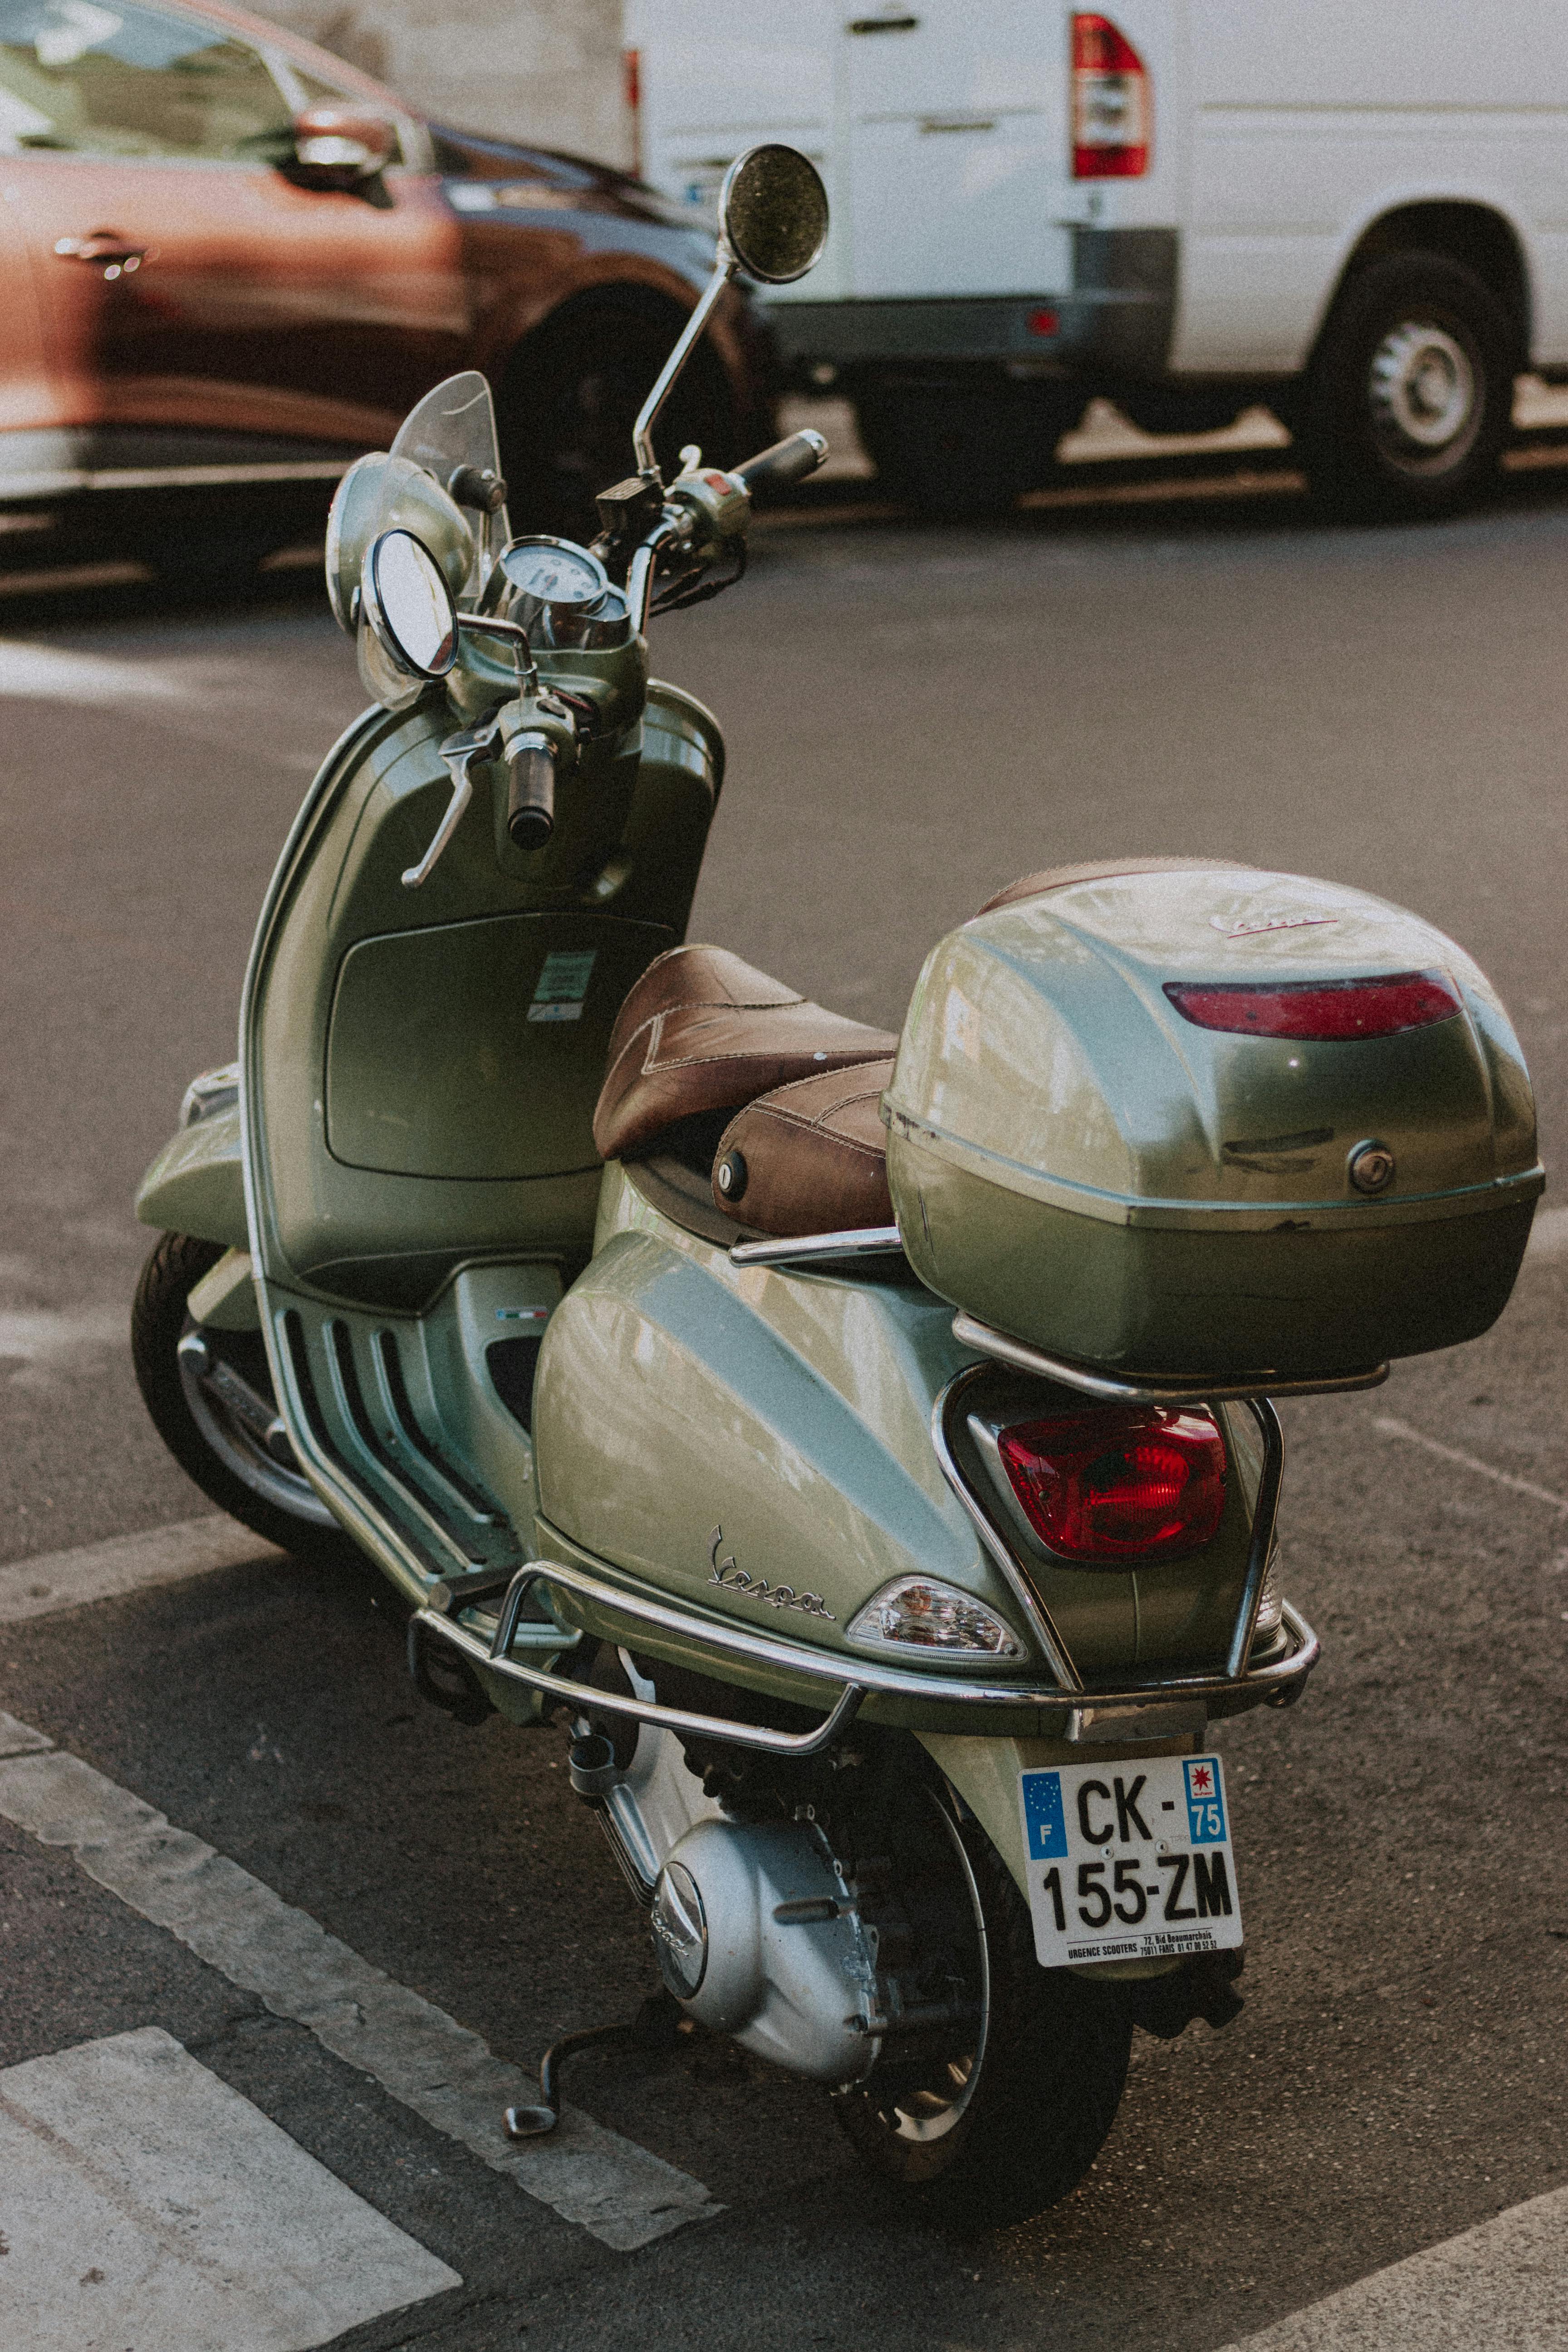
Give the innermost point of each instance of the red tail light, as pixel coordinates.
(1320, 1011)
(1119, 1483)
(631, 88)
(1113, 110)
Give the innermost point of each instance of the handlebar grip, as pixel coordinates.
(530, 795)
(786, 461)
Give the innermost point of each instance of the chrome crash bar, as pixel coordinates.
(1140, 1388)
(1277, 1682)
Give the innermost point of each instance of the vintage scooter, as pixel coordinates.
(602, 1291)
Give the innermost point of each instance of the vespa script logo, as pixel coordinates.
(1252, 925)
(730, 1579)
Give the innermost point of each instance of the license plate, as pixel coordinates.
(1130, 1861)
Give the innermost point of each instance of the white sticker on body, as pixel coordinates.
(562, 984)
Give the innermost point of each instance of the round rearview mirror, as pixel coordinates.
(773, 211)
(409, 606)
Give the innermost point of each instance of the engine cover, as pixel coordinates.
(759, 1936)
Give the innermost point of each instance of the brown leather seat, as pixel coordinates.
(703, 1031)
(810, 1157)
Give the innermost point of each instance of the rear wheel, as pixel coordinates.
(963, 452)
(1410, 395)
(212, 1403)
(569, 400)
(1002, 2116)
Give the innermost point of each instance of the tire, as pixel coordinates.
(994, 2134)
(1409, 397)
(959, 453)
(570, 398)
(229, 1463)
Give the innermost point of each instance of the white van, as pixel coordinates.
(1354, 211)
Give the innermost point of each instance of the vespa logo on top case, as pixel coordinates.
(730, 1579)
(1251, 927)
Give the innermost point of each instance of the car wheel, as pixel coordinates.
(1410, 394)
(570, 398)
(211, 1402)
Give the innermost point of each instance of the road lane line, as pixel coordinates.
(1504, 2282)
(1386, 1426)
(145, 2201)
(618, 2191)
(101, 1571)
(1548, 1234)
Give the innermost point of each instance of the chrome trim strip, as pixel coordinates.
(854, 1676)
(808, 1249)
(1140, 1389)
(1037, 1615)
(1266, 1510)
(59, 482)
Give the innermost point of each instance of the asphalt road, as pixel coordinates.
(914, 719)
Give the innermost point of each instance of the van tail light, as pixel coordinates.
(1112, 106)
(1323, 1011)
(1119, 1483)
(631, 90)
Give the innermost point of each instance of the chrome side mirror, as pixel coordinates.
(408, 605)
(772, 226)
(773, 215)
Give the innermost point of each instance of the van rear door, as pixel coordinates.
(957, 147)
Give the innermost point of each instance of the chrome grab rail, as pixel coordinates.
(1276, 1682)
(811, 1249)
(1142, 1389)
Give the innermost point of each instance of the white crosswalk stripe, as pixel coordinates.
(618, 2191)
(144, 2202)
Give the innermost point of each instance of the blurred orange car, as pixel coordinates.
(229, 263)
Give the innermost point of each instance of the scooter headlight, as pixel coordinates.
(921, 1612)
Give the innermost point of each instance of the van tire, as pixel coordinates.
(959, 453)
(1409, 397)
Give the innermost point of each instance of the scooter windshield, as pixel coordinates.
(456, 425)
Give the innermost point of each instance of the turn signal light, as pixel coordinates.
(1119, 1483)
(921, 1612)
(1324, 1012)
(1111, 114)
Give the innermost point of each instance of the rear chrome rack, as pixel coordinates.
(813, 1249)
(1084, 1710)
(1152, 1388)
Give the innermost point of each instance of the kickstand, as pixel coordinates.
(654, 2027)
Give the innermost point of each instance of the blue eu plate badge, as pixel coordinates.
(1130, 1860)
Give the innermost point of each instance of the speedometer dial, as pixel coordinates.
(552, 572)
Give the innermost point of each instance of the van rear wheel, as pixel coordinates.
(1410, 395)
(1006, 2117)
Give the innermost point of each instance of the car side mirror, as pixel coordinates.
(341, 146)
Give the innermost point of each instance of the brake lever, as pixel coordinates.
(463, 752)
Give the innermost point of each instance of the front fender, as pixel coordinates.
(197, 1183)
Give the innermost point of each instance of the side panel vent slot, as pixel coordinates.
(402, 1404)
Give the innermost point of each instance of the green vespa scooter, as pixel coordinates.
(602, 1291)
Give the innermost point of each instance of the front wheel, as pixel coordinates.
(211, 1402)
(994, 2122)
(1410, 395)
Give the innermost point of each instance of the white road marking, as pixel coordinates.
(39, 1335)
(1504, 2282)
(55, 674)
(100, 1572)
(147, 2202)
(1386, 1426)
(1548, 1234)
(618, 2191)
